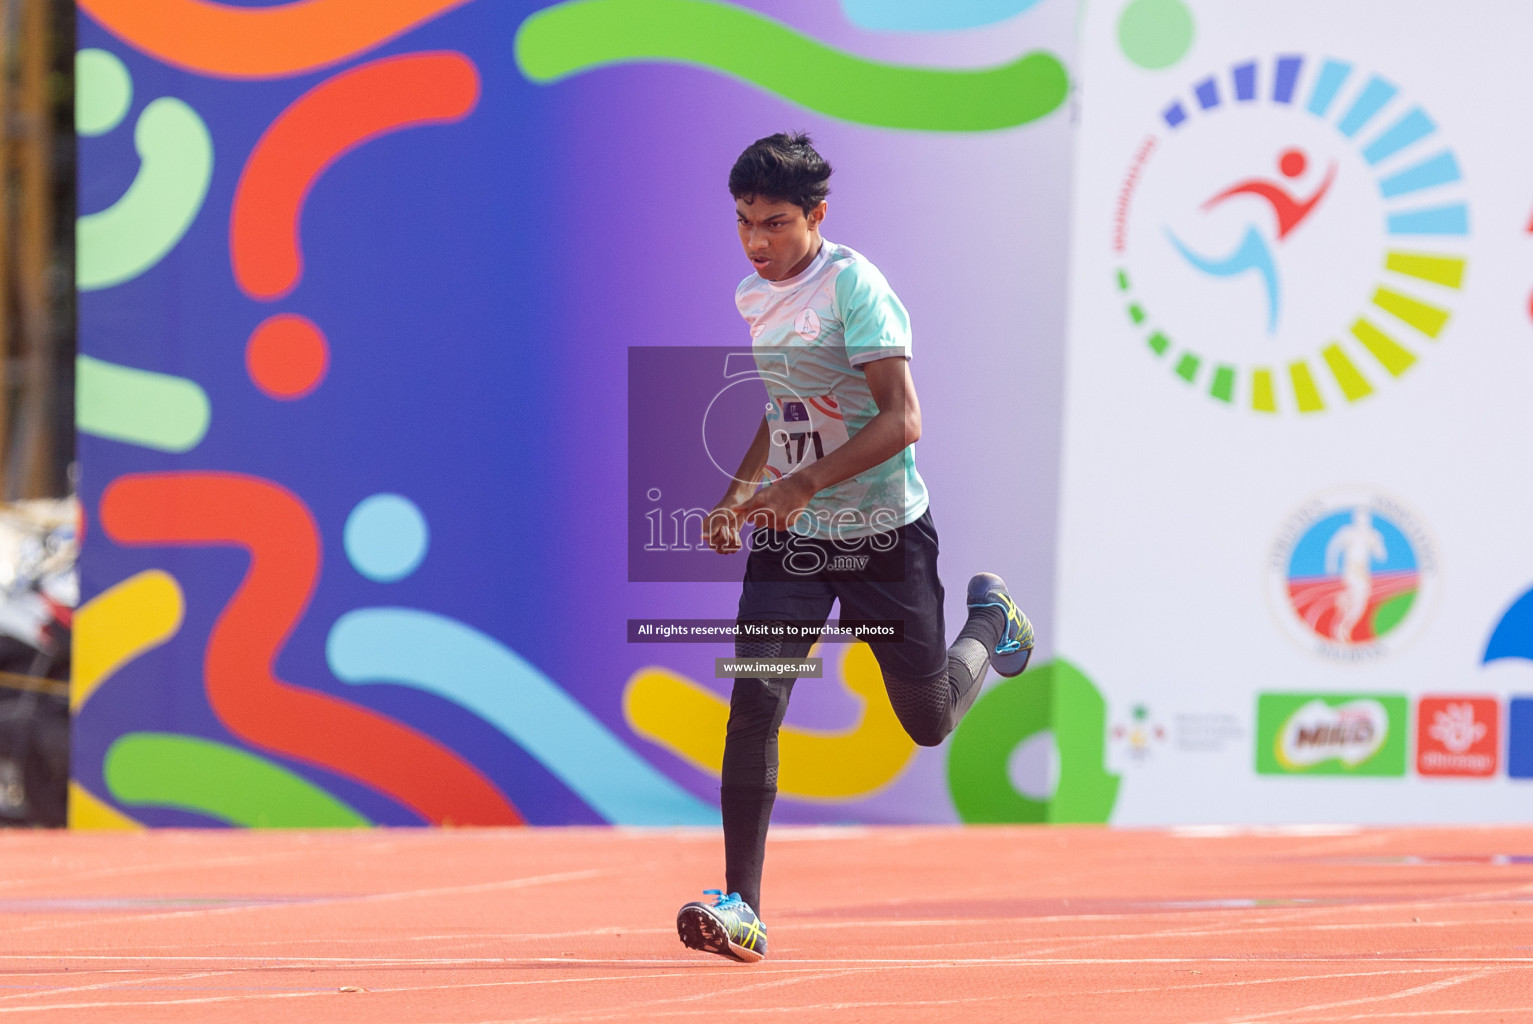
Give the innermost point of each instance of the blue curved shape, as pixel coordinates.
(1513, 635)
(439, 655)
(1252, 254)
(930, 15)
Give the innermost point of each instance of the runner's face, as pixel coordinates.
(779, 240)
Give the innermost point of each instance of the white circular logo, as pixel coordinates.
(1352, 574)
(807, 324)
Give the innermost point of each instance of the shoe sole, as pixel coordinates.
(1010, 664)
(702, 931)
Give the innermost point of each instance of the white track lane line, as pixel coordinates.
(114, 984)
(118, 871)
(381, 897)
(615, 962)
(1056, 944)
(626, 1010)
(1292, 1013)
(248, 996)
(1485, 1014)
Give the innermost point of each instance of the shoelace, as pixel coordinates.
(1012, 615)
(723, 901)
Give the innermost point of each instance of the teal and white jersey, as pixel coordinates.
(809, 336)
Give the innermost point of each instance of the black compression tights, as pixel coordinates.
(928, 708)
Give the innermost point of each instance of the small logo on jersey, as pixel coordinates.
(794, 412)
(807, 324)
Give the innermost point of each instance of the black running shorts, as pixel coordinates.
(890, 576)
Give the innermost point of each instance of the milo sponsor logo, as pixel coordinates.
(1330, 734)
(1351, 733)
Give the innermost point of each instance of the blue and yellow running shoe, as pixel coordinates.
(728, 927)
(1009, 658)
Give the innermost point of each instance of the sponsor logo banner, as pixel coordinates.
(1519, 730)
(1139, 734)
(1457, 736)
(1330, 734)
(1207, 732)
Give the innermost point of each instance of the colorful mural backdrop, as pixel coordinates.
(401, 326)
(359, 284)
(1294, 555)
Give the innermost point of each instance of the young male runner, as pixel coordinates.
(843, 516)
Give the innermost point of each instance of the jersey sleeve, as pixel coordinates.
(873, 321)
(743, 295)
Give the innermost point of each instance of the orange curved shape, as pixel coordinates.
(317, 129)
(260, 42)
(277, 530)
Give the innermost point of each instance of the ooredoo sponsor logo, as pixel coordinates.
(1330, 734)
(1457, 736)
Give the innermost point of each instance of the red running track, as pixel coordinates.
(890, 924)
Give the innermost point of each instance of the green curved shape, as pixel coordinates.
(1056, 695)
(1155, 34)
(581, 35)
(124, 240)
(103, 92)
(1392, 612)
(156, 769)
(152, 410)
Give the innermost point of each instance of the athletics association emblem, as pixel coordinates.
(807, 324)
(1350, 573)
(1290, 233)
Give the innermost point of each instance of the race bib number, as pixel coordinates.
(802, 431)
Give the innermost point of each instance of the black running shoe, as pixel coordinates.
(727, 926)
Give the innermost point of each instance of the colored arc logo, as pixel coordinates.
(1246, 265)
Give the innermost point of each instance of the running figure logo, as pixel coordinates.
(1253, 252)
(1352, 575)
(1353, 549)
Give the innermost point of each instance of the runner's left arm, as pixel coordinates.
(896, 426)
(876, 333)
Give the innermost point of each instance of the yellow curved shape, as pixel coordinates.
(817, 764)
(86, 811)
(119, 624)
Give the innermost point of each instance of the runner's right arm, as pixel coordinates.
(723, 524)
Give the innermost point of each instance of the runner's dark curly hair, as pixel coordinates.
(782, 168)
